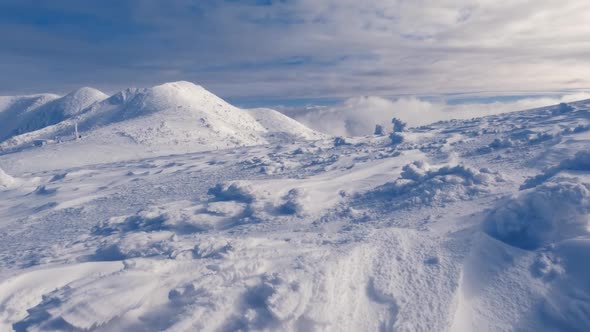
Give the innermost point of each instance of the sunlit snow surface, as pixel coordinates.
(472, 225)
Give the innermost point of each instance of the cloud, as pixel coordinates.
(294, 49)
(358, 116)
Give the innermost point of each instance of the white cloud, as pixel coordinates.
(358, 116)
(237, 49)
(385, 47)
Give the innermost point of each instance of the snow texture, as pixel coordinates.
(176, 211)
(547, 214)
(6, 181)
(421, 184)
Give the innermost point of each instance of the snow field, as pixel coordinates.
(477, 224)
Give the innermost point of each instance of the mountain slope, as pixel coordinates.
(14, 109)
(279, 124)
(174, 117)
(176, 113)
(27, 114)
(466, 225)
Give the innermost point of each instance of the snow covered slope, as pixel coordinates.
(19, 115)
(174, 117)
(14, 109)
(279, 124)
(179, 113)
(466, 225)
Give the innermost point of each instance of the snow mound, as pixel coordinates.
(149, 232)
(232, 192)
(256, 205)
(296, 202)
(497, 144)
(146, 220)
(580, 162)
(562, 108)
(422, 184)
(6, 181)
(546, 214)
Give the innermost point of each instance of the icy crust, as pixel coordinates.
(422, 184)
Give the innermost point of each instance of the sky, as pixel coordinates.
(300, 52)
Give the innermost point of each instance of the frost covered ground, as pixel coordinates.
(466, 225)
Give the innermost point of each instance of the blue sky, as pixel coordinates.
(265, 52)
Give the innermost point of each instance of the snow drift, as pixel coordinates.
(6, 181)
(422, 184)
(580, 162)
(546, 214)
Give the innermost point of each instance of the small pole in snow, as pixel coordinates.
(76, 130)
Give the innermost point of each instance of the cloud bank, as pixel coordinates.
(358, 116)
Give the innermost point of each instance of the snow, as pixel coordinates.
(544, 215)
(420, 184)
(25, 115)
(279, 124)
(247, 220)
(14, 109)
(176, 117)
(6, 181)
(580, 162)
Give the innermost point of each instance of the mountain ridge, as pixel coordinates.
(176, 116)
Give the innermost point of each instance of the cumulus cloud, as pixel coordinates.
(358, 116)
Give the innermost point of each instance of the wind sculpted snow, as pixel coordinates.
(466, 225)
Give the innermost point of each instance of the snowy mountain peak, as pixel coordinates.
(172, 116)
(164, 95)
(123, 96)
(180, 85)
(185, 93)
(87, 92)
(176, 101)
(79, 99)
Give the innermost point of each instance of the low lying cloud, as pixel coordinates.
(358, 116)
